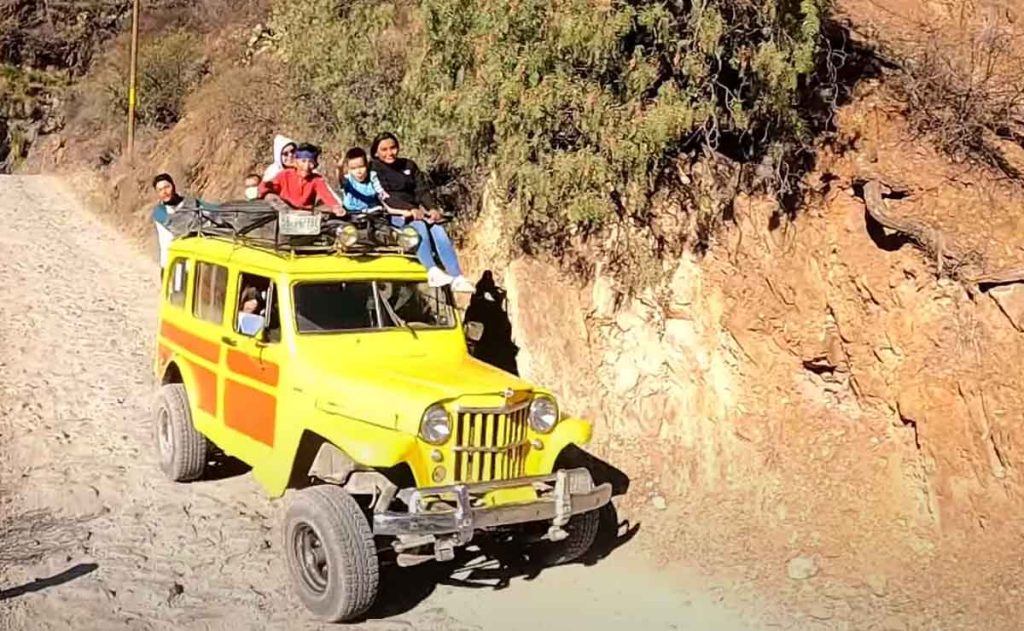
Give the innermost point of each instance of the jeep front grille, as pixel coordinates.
(491, 446)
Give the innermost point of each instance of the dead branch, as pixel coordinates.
(961, 265)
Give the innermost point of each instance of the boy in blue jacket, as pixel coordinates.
(359, 189)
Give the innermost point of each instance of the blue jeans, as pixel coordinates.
(441, 244)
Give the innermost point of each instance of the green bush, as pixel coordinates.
(171, 66)
(574, 106)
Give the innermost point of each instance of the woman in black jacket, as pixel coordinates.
(405, 194)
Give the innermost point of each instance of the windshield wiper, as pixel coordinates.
(394, 316)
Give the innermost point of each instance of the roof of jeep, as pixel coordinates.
(225, 250)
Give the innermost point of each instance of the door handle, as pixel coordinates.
(229, 341)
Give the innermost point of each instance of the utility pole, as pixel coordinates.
(131, 79)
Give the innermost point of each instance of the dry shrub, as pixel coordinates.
(965, 84)
(226, 134)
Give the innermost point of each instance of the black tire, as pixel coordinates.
(331, 555)
(181, 449)
(582, 531)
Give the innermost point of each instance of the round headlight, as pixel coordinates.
(543, 414)
(408, 238)
(436, 426)
(347, 235)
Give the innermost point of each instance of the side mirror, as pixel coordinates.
(474, 331)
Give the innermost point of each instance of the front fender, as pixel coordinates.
(570, 431)
(369, 445)
(366, 444)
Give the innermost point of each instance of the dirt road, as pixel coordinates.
(92, 536)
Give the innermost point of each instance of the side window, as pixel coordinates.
(178, 282)
(257, 307)
(211, 289)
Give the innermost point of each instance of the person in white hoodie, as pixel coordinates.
(284, 150)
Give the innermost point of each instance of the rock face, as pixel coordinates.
(801, 386)
(41, 34)
(801, 568)
(5, 145)
(1010, 299)
(41, 45)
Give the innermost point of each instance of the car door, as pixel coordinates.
(251, 368)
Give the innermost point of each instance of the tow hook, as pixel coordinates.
(557, 533)
(444, 549)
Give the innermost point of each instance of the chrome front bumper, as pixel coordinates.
(561, 495)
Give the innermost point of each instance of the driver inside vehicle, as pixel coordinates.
(250, 312)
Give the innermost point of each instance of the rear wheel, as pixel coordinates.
(582, 531)
(330, 552)
(181, 448)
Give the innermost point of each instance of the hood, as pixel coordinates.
(396, 393)
(280, 142)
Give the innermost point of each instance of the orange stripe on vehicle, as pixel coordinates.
(248, 366)
(250, 411)
(206, 388)
(202, 348)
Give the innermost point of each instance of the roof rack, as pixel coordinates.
(265, 225)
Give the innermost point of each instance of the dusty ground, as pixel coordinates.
(93, 537)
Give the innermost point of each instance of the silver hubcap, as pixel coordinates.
(163, 434)
(312, 558)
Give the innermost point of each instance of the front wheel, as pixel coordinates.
(582, 531)
(330, 552)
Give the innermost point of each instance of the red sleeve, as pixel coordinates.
(325, 194)
(275, 186)
(267, 188)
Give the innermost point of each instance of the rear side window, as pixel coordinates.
(178, 283)
(211, 290)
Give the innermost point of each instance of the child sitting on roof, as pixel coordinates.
(299, 186)
(359, 189)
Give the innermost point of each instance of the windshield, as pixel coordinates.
(333, 306)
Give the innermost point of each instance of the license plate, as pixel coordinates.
(299, 223)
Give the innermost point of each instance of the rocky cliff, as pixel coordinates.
(821, 387)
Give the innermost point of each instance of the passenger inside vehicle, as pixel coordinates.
(257, 305)
(250, 312)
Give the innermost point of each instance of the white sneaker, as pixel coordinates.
(436, 277)
(461, 284)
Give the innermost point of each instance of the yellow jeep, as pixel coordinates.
(330, 366)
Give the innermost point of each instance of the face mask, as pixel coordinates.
(252, 192)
